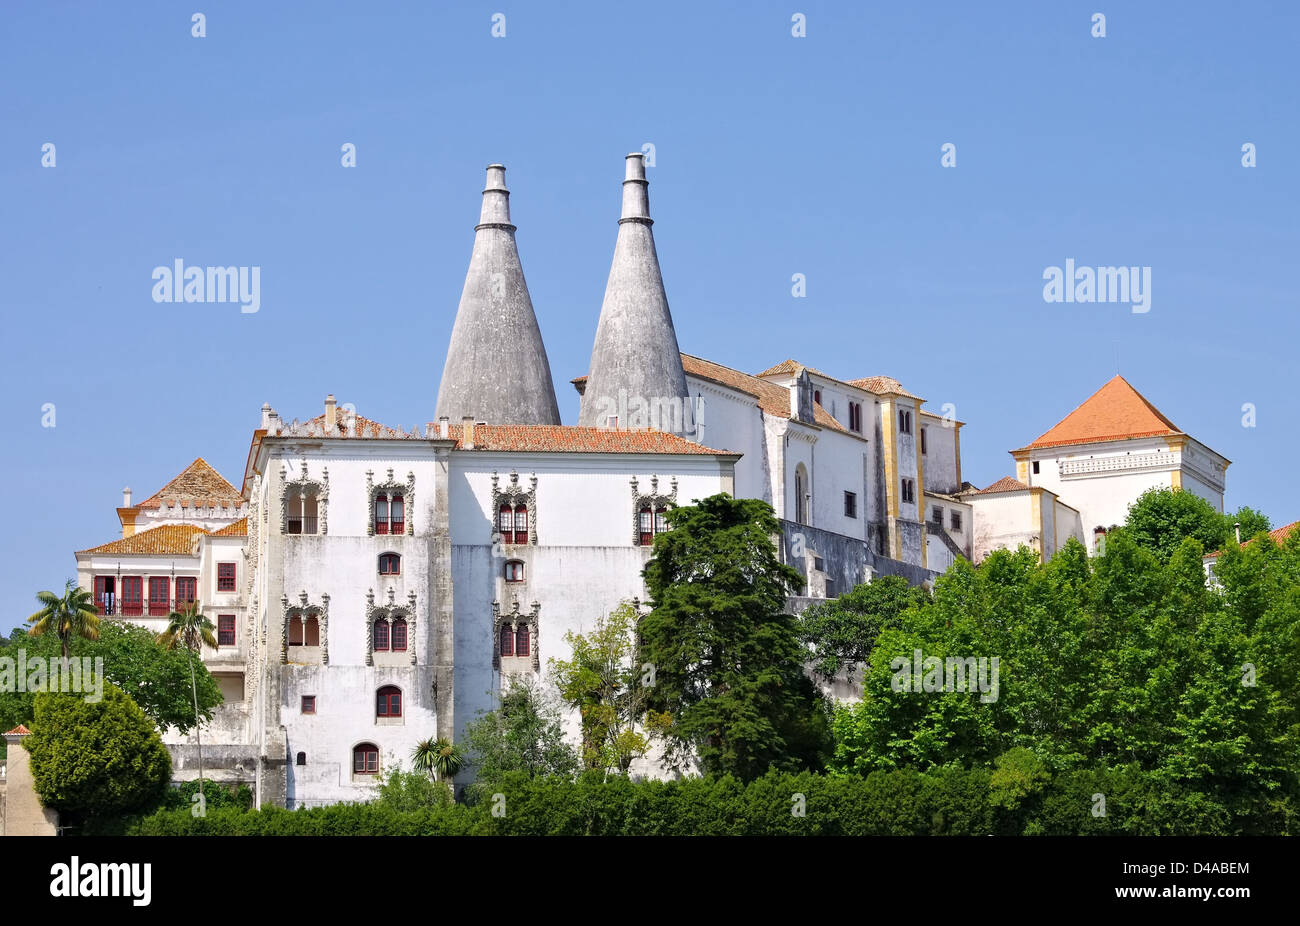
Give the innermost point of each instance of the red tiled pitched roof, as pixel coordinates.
(346, 425)
(773, 399)
(882, 385)
(1005, 484)
(1116, 411)
(555, 438)
(1277, 536)
(175, 539)
(197, 486)
(237, 529)
(19, 730)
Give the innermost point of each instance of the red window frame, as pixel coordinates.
(295, 623)
(390, 564)
(226, 577)
(379, 635)
(514, 570)
(507, 640)
(187, 590)
(105, 601)
(647, 526)
(133, 595)
(381, 514)
(225, 630)
(159, 596)
(522, 641)
(397, 635)
(388, 702)
(365, 759)
(521, 524)
(308, 704)
(397, 513)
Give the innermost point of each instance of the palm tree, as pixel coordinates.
(441, 758)
(190, 629)
(73, 615)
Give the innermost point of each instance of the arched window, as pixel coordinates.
(507, 640)
(397, 637)
(512, 522)
(388, 702)
(522, 641)
(381, 514)
(397, 515)
(390, 564)
(817, 396)
(295, 631)
(514, 570)
(302, 759)
(365, 759)
(651, 521)
(801, 494)
(380, 635)
(311, 632)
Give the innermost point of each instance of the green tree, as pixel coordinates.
(1161, 519)
(407, 792)
(1252, 522)
(524, 734)
(191, 630)
(727, 659)
(603, 682)
(96, 759)
(73, 615)
(440, 758)
(841, 632)
(156, 679)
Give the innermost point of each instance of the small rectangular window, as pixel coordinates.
(850, 505)
(936, 515)
(309, 704)
(225, 577)
(1035, 467)
(956, 520)
(923, 441)
(225, 630)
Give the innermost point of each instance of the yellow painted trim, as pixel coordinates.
(920, 493)
(956, 443)
(1176, 479)
(1036, 517)
(1176, 443)
(1022, 471)
(889, 438)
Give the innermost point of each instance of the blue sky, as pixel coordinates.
(775, 155)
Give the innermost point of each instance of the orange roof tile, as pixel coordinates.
(773, 399)
(882, 385)
(1005, 484)
(175, 539)
(355, 426)
(197, 486)
(1116, 411)
(555, 438)
(1277, 536)
(19, 730)
(237, 529)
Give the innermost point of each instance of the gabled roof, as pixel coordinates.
(773, 399)
(882, 385)
(237, 529)
(19, 730)
(1005, 484)
(173, 539)
(1277, 536)
(555, 438)
(197, 486)
(1116, 411)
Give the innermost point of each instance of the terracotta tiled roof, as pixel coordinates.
(882, 385)
(177, 539)
(787, 367)
(346, 425)
(19, 730)
(1005, 484)
(554, 438)
(198, 486)
(1116, 411)
(773, 399)
(1277, 536)
(237, 529)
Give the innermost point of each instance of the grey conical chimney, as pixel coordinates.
(496, 368)
(635, 359)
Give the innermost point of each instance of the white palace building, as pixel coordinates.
(371, 587)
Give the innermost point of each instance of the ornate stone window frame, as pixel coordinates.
(654, 499)
(390, 485)
(389, 611)
(515, 495)
(302, 485)
(514, 617)
(304, 609)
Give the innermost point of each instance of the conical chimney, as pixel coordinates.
(496, 369)
(635, 363)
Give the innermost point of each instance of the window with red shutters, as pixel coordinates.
(514, 571)
(380, 635)
(398, 635)
(381, 514)
(507, 640)
(186, 591)
(225, 630)
(311, 632)
(521, 640)
(506, 524)
(225, 577)
(396, 515)
(106, 594)
(132, 595)
(388, 702)
(365, 759)
(390, 564)
(647, 527)
(661, 520)
(159, 596)
(521, 525)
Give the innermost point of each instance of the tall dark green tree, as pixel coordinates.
(727, 661)
(841, 632)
